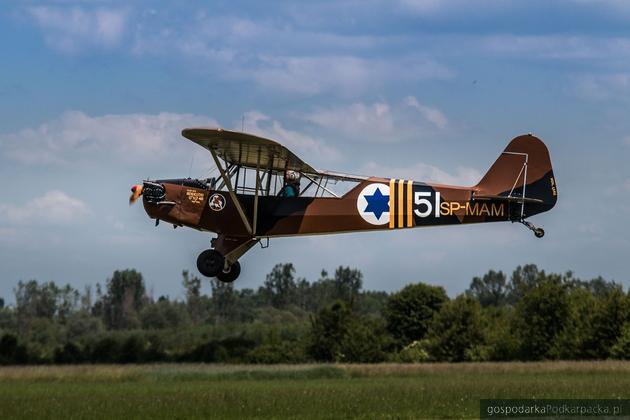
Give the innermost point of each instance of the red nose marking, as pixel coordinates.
(133, 189)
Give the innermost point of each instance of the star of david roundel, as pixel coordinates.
(373, 204)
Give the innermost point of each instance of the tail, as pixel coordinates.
(523, 176)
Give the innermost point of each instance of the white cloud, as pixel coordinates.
(303, 146)
(55, 207)
(616, 5)
(434, 7)
(556, 46)
(344, 74)
(422, 172)
(203, 33)
(268, 53)
(76, 135)
(7, 235)
(380, 121)
(423, 6)
(601, 86)
(359, 120)
(71, 29)
(433, 115)
(271, 55)
(310, 75)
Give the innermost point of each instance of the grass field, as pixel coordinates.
(304, 391)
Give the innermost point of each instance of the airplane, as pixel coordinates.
(265, 191)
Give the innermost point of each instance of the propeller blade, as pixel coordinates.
(136, 191)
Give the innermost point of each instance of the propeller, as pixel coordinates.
(136, 191)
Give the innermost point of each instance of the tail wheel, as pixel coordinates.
(210, 263)
(231, 274)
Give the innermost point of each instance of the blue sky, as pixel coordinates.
(93, 95)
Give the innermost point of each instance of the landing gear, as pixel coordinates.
(231, 274)
(538, 232)
(211, 263)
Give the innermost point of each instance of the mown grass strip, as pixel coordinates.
(168, 372)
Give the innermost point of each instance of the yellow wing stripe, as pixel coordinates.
(392, 183)
(409, 203)
(401, 213)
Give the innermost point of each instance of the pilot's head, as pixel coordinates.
(291, 176)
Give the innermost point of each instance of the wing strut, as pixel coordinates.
(257, 193)
(228, 184)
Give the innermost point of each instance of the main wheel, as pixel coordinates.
(231, 274)
(539, 232)
(210, 262)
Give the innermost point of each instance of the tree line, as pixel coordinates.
(530, 315)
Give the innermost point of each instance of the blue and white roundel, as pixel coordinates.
(373, 204)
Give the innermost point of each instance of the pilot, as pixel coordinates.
(291, 184)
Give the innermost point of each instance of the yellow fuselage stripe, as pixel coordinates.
(409, 203)
(392, 183)
(401, 213)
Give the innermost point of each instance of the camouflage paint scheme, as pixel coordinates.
(409, 204)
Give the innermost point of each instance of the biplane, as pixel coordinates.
(265, 191)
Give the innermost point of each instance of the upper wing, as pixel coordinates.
(247, 150)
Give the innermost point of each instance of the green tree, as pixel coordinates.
(541, 316)
(501, 341)
(609, 314)
(164, 314)
(456, 332)
(621, 349)
(124, 299)
(339, 335)
(11, 352)
(489, 290)
(68, 302)
(36, 301)
(523, 278)
(366, 341)
(318, 294)
(598, 287)
(223, 300)
(328, 330)
(194, 301)
(571, 342)
(69, 353)
(280, 286)
(347, 283)
(82, 324)
(410, 311)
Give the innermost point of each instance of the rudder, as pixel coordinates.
(523, 174)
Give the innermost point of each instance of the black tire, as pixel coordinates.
(539, 233)
(231, 274)
(210, 262)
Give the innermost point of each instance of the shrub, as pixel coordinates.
(456, 333)
(415, 352)
(68, 354)
(410, 311)
(540, 318)
(621, 349)
(11, 352)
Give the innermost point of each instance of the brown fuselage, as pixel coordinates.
(405, 204)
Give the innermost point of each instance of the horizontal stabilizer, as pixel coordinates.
(508, 199)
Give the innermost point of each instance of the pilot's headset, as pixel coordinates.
(292, 176)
